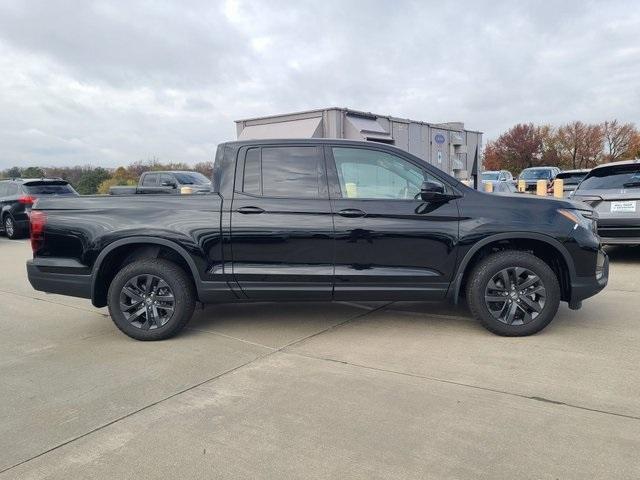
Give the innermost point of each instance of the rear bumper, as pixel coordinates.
(60, 275)
(585, 287)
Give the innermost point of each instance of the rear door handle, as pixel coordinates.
(247, 210)
(351, 213)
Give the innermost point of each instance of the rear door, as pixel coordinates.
(150, 183)
(281, 224)
(389, 245)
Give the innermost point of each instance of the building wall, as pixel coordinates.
(434, 143)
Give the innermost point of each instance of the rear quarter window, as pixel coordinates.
(49, 189)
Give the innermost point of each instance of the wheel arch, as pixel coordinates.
(514, 241)
(128, 249)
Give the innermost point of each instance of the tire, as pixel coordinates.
(487, 282)
(11, 230)
(158, 301)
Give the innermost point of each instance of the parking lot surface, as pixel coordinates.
(342, 390)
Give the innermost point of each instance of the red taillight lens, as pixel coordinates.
(27, 200)
(38, 221)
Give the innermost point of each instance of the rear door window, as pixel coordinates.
(285, 172)
(150, 180)
(251, 183)
(290, 172)
(49, 189)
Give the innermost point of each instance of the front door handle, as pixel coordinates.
(351, 213)
(247, 210)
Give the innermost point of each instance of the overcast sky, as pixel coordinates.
(107, 83)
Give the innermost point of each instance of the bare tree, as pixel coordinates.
(619, 138)
(581, 145)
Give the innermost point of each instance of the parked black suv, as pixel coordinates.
(321, 220)
(17, 197)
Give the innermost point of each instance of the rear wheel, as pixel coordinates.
(11, 229)
(513, 293)
(151, 299)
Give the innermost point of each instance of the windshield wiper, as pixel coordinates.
(631, 184)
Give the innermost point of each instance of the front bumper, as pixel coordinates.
(63, 276)
(585, 287)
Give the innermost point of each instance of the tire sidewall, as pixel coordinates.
(169, 273)
(490, 267)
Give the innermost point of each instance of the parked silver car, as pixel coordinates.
(502, 181)
(613, 190)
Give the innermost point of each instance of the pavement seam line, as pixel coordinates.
(224, 335)
(192, 387)
(54, 303)
(461, 384)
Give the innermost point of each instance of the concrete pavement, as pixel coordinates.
(409, 390)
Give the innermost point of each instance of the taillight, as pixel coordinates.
(27, 200)
(38, 221)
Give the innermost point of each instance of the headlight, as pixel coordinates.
(584, 218)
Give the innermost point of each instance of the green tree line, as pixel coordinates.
(90, 180)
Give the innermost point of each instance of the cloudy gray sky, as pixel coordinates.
(109, 82)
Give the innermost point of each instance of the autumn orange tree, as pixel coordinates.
(570, 146)
(518, 148)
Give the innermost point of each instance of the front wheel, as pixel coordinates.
(151, 299)
(513, 293)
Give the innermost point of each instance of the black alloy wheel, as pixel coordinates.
(515, 296)
(147, 302)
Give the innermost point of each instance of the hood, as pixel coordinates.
(524, 200)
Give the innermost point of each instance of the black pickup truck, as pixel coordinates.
(318, 220)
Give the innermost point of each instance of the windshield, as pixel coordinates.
(191, 178)
(536, 174)
(607, 178)
(571, 178)
(490, 175)
(59, 188)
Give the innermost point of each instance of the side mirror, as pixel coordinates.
(168, 183)
(430, 191)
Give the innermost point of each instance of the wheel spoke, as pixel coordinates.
(164, 298)
(530, 281)
(147, 284)
(129, 292)
(495, 298)
(135, 315)
(127, 308)
(533, 305)
(494, 286)
(538, 290)
(506, 279)
(511, 313)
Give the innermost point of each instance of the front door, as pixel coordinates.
(282, 230)
(389, 243)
